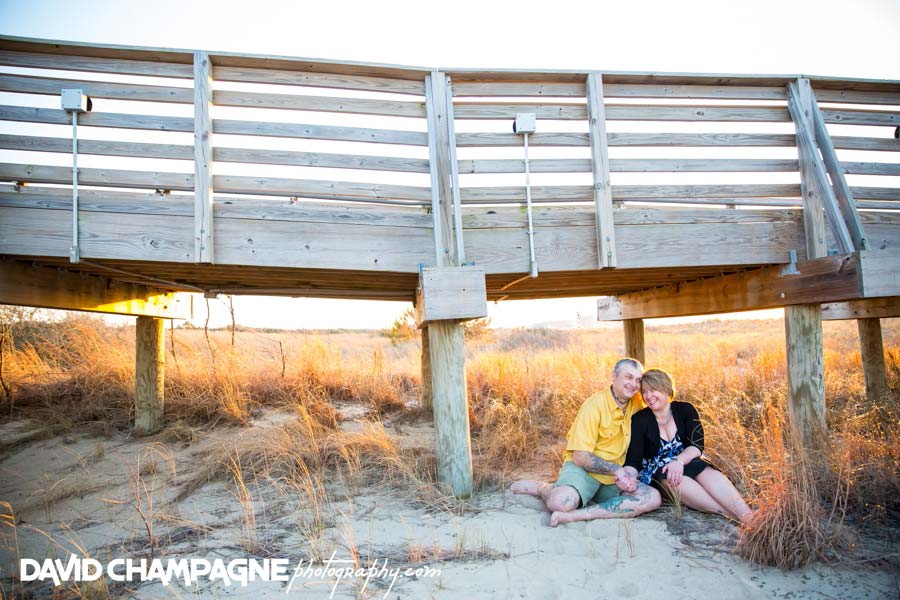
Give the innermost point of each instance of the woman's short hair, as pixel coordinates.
(659, 380)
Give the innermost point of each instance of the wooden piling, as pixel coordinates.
(872, 353)
(634, 338)
(450, 403)
(149, 375)
(806, 381)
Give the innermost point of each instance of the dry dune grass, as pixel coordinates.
(524, 388)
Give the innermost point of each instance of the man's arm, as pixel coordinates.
(594, 464)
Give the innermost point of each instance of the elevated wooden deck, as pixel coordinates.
(224, 173)
(326, 179)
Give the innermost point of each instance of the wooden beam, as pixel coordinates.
(427, 394)
(603, 208)
(806, 381)
(879, 275)
(450, 403)
(28, 285)
(149, 375)
(817, 192)
(821, 280)
(843, 195)
(867, 308)
(872, 355)
(203, 180)
(634, 339)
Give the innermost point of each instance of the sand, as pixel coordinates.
(80, 491)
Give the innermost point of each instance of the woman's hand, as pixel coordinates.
(674, 472)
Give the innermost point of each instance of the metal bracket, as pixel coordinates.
(791, 268)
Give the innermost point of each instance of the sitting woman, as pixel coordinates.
(666, 451)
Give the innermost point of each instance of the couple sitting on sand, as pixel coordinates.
(604, 476)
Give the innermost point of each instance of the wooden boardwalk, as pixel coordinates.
(227, 173)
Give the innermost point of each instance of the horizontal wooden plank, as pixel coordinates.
(60, 48)
(320, 132)
(36, 232)
(96, 119)
(96, 147)
(868, 308)
(629, 165)
(476, 140)
(655, 139)
(871, 168)
(318, 159)
(856, 97)
(25, 84)
(861, 117)
(497, 218)
(30, 285)
(238, 241)
(389, 108)
(863, 143)
(274, 186)
(224, 206)
(536, 89)
(99, 177)
(711, 92)
(628, 192)
(320, 80)
(325, 190)
(639, 246)
(875, 193)
(615, 112)
(95, 65)
(821, 280)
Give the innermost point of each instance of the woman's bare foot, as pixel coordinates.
(526, 486)
(748, 517)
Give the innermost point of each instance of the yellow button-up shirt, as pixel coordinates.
(603, 429)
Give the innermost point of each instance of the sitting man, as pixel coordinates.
(592, 463)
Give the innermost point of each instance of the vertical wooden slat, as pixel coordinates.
(872, 354)
(439, 163)
(603, 206)
(149, 375)
(842, 192)
(634, 339)
(806, 381)
(203, 192)
(818, 195)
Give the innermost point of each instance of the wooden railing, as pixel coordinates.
(248, 129)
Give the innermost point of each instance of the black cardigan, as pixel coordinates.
(645, 440)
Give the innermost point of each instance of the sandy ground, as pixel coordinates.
(80, 491)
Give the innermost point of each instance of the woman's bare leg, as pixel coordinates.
(690, 493)
(719, 487)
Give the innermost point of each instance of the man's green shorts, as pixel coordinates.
(588, 488)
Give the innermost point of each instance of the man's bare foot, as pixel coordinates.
(526, 486)
(559, 517)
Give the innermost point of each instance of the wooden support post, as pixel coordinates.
(203, 188)
(872, 353)
(806, 381)
(149, 375)
(634, 338)
(446, 348)
(426, 370)
(451, 414)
